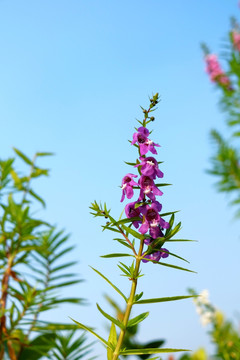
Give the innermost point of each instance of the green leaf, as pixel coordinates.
(23, 157)
(129, 163)
(123, 242)
(38, 347)
(169, 240)
(126, 272)
(132, 232)
(115, 255)
(178, 257)
(174, 231)
(110, 228)
(174, 267)
(149, 351)
(45, 154)
(163, 184)
(37, 197)
(169, 213)
(126, 220)
(163, 299)
(109, 317)
(92, 332)
(137, 319)
(237, 133)
(138, 296)
(115, 287)
(112, 340)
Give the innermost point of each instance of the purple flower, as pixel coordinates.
(157, 255)
(152, 220)
(148, 188)
(149, 167)
(148, 241)
(131, 212)
(127, 186)
(164, 253)
(144, 143)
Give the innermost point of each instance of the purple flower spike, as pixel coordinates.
(127, 186)
(149, 167)
(148, 188)
(131, 212)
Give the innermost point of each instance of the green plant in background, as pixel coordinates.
(225, 166)
(33, 270)
(225, 162)
(223, 333)
(142, 234)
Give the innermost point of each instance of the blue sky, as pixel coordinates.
(73, 74)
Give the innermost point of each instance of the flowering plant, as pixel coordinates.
(31, 275)
(223, 333)
(142, 233)
(225, 162)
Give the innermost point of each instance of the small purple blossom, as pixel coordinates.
(152, 220)
(149, 167)
(164, 253)
(131, 212)
(157, 255)
(145, 144)
(148, 188)
(127, 186)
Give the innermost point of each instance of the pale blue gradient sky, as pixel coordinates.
(73, 74)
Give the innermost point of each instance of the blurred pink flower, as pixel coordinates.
(236, 40)
(213, 68)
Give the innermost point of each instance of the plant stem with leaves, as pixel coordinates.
(143, 233)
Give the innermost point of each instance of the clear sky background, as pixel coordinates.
(73, 74)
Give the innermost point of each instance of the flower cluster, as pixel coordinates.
(146, 210)
(204, 308)
(217, 75)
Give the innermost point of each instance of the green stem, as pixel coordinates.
(129, 303)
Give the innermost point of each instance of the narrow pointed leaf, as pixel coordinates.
(92, 332)
(133, 232)
(106, 279)
(168, 240)
(109, 317)
(137, 319)
(149, 351)
(174, 267)
(110, 228)
(163, 299)
(125, 221)
(163, 184)
(179, 257)
(130, 163)
(45, 154)
(115, 255)
(123, 242)
(23, 156)
(37, 197)
(113, 335)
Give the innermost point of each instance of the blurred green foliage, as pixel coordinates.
(34, 272)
